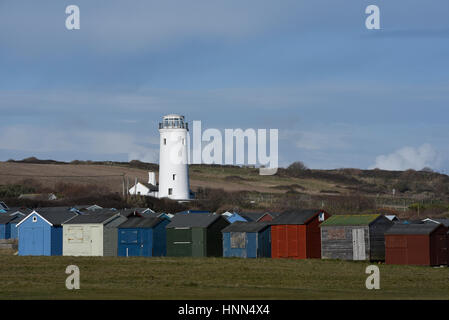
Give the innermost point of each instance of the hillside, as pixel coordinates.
(339, 189)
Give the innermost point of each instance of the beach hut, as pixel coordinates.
(40, 232)
(247, 240)
(195, 235)
(92, 234)
(417, 244)
(354, 237)
(5, 227)
(9, 221)
(296, 234)
(142, 236)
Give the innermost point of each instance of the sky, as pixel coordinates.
(339, 94)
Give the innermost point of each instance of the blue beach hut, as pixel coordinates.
(40, 233)
(142, 236)
(247, 240)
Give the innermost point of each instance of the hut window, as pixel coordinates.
(34, 219)
(174, 176)
(238, 240)
(165, 141)
(170, 191)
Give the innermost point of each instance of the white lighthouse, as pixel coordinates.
(173, 160)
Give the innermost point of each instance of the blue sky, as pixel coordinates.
(340, 95)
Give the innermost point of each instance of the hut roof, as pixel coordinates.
(136, 222)
(444, 222)
(351, 220)
(241, 226)
(424, 228)
(295, 217)
(4, 218)
(193, 220)
(55, 215)
(94, 217)
(252, 216)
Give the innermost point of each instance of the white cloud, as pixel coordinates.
(408, 158)
(40, 139)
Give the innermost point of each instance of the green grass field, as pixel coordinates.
(213, 278)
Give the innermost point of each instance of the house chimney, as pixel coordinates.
(152, 178)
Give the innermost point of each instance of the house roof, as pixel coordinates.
(295, 217)
(193, 220)
(144, 222)
(351, 220)
(54, 215)
(94, 217)
(151, 187)
(241, 226)
(412, 228)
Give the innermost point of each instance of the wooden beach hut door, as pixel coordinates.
(95, 242)
(198, 249)
(358, 244)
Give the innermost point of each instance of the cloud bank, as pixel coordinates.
(408, 158)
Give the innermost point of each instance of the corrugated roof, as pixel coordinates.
(295, 217)
(241, 226)
(136, 222)
(193, 220)
(93, 217)
(351, 220)
(424, 228)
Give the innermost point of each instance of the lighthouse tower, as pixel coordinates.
(173, 161)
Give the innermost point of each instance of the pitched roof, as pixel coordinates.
(193, 220)
(55, 215)
(412, 228)
(144, 222)
(351, 220)
(94, 217)
(295, 217)
(19, 210)
(3, 205)
(4, 218)
(241, 226)
(252, 216)
(444, 222)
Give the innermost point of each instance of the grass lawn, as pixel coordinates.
(213, 278)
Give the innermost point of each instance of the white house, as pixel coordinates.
(145, 189)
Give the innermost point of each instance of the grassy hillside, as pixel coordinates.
(340, 190)
(213, 278)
